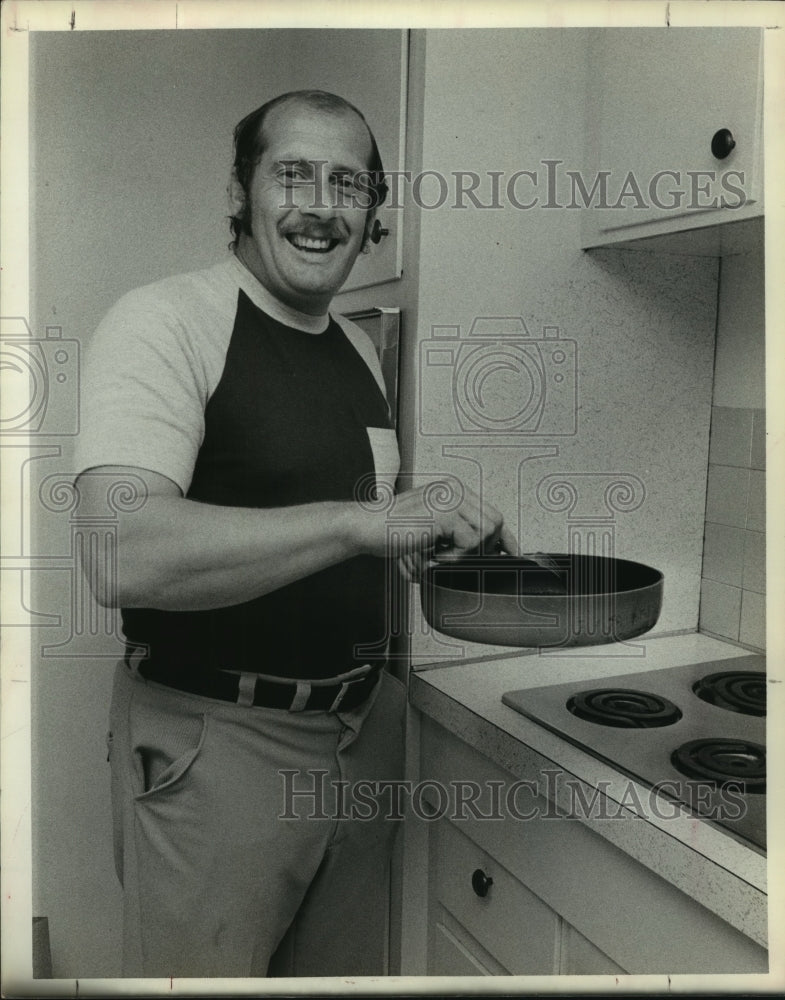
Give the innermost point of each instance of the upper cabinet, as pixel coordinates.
(673, 132)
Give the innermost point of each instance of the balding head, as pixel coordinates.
(250, 143)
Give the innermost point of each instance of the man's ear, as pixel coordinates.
(369, 221)
(234, 190)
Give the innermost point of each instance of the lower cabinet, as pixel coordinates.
(484, 921)
(452, 951)
(489, 906)
(549, 896)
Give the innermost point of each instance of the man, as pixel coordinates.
(252, 579)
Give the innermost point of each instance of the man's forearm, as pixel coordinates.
(176, 554)
(180, 555)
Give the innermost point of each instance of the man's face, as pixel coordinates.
(305, 234)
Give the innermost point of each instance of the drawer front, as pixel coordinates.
(580, 957)
(452, 951)
(513, 924)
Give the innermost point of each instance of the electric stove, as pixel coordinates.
(696, 734)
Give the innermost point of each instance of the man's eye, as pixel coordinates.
(344, 182)
(291, 175)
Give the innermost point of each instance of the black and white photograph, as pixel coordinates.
(391, 451)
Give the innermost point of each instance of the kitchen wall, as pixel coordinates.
(641, 325)
(733, 579)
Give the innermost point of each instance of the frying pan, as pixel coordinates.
(514, 601)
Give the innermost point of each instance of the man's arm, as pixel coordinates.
(181, 555)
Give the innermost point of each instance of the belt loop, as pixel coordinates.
(339, 696)
(133, 657)
(301, 696)
(246, 689)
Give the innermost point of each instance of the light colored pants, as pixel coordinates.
(215, 882)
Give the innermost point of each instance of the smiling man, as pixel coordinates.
(252, 577)
(290, 235)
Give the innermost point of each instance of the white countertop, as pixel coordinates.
(696, 856)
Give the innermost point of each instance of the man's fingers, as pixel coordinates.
(411, 565)
(405, 564)
(508, 541)
(473, 526)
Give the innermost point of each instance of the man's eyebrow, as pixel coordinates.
(302, 162)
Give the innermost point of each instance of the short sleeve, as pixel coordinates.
(363, 344)
(143, 391)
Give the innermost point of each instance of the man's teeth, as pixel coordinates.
(310, 243)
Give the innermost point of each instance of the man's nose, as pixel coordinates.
(320, 196)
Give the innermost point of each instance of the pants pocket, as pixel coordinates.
(163, 766)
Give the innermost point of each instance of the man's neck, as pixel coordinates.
(279, 310)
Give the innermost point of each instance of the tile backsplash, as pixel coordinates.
(733, 578)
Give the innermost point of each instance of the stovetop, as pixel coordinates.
(657, 728)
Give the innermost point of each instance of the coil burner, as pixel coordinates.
(623, 708)
(723, 762)
(736, 691)
(694, 733)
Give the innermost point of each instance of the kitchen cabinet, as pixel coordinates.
(563, 900)
(656, 99)
(510, 923)
(509, 931)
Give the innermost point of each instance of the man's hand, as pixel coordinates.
(180, 555)
(415, 529)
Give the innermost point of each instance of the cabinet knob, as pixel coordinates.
(722, 142)
(481, 882)
(378, 231)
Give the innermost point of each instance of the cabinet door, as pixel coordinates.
(514, 926)
(579, 957)
(656, 98)
(453, 951)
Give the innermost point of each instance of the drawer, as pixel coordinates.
(510, 922)
(579, 957)
(454, 952)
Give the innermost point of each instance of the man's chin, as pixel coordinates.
(324, 274)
